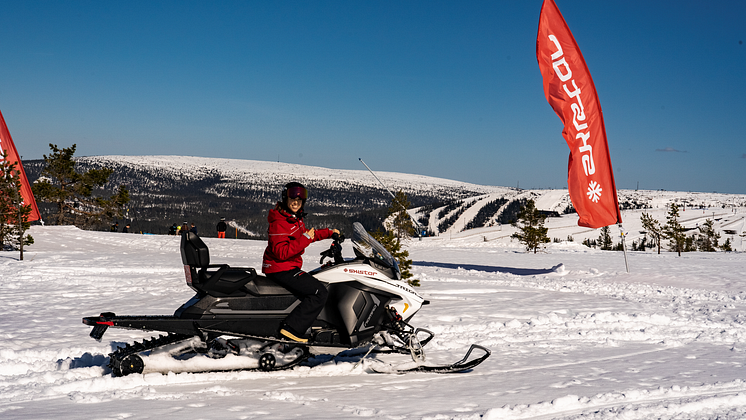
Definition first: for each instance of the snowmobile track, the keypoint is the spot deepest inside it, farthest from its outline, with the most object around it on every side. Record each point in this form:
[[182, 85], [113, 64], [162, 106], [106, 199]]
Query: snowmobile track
[[125, 360]]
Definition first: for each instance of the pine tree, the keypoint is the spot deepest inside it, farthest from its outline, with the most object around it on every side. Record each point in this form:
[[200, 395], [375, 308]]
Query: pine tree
[[401, 223], [400, 227], [690, 243], [726, 246], [605, 239], [394, 247], [653, 228], [590, 243], [73, 192], [708, 238], [532, 232], [673, 230], [13, 213]]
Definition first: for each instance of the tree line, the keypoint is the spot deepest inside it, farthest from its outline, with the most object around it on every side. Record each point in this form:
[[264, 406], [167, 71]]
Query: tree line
[[533, 234]]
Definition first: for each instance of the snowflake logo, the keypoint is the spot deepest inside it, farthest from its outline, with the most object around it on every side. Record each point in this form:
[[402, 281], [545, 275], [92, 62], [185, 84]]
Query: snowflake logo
[[594, 191]]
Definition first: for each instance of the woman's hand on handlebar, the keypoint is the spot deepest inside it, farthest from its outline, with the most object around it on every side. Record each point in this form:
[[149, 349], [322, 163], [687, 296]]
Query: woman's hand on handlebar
[[312, 232]]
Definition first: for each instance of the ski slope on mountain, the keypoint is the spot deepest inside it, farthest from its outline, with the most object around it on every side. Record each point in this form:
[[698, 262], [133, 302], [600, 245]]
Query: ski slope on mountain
[[572, 334]]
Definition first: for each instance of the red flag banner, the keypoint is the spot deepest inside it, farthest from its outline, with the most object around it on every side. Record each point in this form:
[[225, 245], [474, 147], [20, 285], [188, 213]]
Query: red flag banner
[[6, 143], [570, 91]]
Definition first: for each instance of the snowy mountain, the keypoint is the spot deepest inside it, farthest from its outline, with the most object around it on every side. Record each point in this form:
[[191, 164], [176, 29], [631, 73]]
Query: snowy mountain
[[167, 189]]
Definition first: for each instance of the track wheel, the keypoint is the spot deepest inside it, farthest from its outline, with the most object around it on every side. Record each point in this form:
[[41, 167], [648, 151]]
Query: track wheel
[[131, 363], [267, 362]]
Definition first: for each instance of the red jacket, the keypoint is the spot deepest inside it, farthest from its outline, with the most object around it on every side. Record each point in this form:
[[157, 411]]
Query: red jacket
[[287, 241]]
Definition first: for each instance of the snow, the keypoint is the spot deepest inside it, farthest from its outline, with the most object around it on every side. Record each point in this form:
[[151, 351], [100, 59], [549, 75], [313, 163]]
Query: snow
[[728, 212], [572, 334]]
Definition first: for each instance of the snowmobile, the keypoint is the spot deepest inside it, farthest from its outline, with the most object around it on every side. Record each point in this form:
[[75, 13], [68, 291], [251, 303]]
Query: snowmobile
[[233, 320]]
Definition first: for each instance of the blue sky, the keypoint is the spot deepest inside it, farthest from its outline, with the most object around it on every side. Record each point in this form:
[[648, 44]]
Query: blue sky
[[446, 89]]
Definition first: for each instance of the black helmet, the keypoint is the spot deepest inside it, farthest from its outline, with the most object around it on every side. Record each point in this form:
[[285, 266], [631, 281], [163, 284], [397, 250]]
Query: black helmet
[[294, 190]]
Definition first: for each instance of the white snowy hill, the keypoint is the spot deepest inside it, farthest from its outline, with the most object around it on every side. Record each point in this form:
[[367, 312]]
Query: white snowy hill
[[234, 177], [728, 212], [254, 171], [273, 175]]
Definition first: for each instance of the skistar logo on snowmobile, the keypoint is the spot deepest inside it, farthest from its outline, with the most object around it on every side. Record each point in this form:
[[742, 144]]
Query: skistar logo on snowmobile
[[361, 272]]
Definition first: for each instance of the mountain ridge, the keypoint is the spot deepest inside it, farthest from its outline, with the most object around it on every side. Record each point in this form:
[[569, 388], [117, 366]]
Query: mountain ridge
[[166, 189]]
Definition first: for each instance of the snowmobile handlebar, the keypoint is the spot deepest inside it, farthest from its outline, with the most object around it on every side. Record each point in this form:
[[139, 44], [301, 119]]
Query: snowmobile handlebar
[[335, 250]]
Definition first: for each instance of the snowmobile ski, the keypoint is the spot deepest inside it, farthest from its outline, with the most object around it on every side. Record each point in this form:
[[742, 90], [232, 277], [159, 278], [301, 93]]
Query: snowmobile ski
[[462, 365]]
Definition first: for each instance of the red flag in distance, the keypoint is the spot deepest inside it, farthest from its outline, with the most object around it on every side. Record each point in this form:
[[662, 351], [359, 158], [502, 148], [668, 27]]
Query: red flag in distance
[[6, 144]]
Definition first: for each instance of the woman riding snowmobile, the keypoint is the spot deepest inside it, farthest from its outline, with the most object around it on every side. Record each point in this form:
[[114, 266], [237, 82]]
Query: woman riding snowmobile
[[283, 260]]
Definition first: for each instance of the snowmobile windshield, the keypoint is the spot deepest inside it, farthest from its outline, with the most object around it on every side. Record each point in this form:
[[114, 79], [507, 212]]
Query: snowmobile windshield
[[371, 248]]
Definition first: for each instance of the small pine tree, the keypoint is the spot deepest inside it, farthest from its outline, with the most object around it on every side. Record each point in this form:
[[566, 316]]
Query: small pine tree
[[690, 244], [73, 192], [399, 228], [13, 213], [726, 246], [708, 238], [653, 228], [401, 223], [532, 232], [673, 230], [394, 247], [605, 239]]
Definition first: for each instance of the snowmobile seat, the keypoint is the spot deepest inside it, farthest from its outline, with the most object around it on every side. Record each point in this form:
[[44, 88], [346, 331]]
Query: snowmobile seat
[[221, 279], [262, 286], [215, 279]]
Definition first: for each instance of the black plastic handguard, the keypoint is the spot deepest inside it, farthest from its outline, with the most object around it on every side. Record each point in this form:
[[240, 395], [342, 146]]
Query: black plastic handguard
[[335, 250]]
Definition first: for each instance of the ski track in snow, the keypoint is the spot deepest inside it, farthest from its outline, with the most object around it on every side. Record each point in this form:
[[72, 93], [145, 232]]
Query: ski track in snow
[[572, 335]]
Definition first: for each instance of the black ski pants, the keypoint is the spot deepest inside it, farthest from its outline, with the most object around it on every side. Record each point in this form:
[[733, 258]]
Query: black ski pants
[[312, 295]]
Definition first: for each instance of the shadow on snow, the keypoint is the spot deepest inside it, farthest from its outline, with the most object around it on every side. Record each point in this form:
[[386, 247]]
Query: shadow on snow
[[488, 268]]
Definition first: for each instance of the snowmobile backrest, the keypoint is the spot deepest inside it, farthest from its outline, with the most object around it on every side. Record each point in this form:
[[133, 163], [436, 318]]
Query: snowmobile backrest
[[217, 280], [194, 252]]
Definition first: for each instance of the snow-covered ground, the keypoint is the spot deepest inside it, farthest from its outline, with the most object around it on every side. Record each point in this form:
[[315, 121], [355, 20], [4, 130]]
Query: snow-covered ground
[[581, 339]]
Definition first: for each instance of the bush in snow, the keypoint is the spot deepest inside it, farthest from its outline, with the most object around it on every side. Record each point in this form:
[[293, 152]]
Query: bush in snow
[[532, 232], [674, 231]]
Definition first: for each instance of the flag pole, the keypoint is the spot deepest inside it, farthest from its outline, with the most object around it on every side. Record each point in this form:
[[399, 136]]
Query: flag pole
[[624, 245]]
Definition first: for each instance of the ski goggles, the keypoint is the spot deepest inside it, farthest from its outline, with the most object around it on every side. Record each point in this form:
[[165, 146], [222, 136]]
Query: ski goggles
[[297, 192]]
